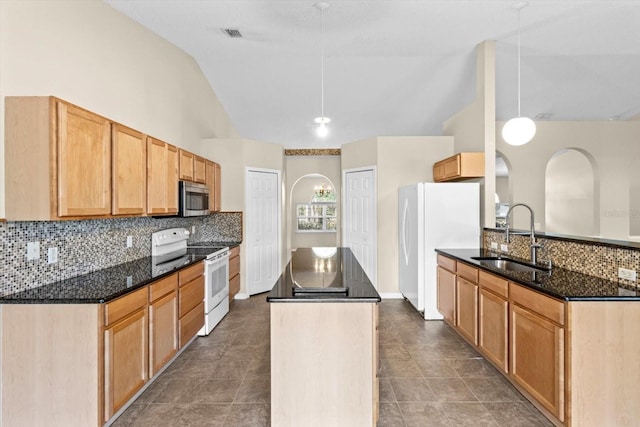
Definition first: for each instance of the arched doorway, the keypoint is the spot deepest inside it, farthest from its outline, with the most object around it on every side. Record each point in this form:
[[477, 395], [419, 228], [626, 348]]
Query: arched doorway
[[314, 212], [571, 194]]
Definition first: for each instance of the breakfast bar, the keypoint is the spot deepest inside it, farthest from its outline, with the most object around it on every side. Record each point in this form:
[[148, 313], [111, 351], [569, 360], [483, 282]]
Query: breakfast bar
[[324, 341]]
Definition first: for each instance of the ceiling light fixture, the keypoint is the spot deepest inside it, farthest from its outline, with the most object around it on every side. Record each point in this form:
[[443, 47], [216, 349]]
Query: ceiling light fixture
[[519, 130], [322, 130]]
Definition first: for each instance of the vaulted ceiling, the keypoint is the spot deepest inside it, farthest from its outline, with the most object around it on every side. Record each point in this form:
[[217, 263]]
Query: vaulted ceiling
[[400, 67]]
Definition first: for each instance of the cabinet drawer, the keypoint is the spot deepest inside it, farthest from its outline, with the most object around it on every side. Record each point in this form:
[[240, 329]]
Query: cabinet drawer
[[467, 272], [494, 283], [123, 306], [162, 287], [234, 252], [190, 295], [191, 323], [188, 274], [543, 305], [234, 266], [447, 263]]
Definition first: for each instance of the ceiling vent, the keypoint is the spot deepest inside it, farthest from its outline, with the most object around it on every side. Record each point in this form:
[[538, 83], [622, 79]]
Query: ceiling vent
[[234, 33], [543, 116]]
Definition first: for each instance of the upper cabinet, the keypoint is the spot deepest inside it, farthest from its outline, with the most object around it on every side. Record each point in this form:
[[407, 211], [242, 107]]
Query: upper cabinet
[[162, 177], [213, 182], [58, 160], [186, 165], [458, 167], [64, 162], [129, 166]]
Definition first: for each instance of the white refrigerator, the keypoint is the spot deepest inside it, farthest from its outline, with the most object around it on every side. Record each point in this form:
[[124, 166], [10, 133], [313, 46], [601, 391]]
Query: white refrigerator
[[430, 216]]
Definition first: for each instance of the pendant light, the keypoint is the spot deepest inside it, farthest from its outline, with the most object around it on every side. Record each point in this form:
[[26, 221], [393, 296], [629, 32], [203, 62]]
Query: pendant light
[[519, 130], [322, 130]]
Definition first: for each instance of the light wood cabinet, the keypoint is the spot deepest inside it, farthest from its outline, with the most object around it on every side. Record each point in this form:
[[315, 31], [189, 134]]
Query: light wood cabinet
[[458, 167], [125, 354], [234, 272], [199, 169], [129, 171], [537, 353], [493, 319], [187, 172], [190, 302], [214, 184], [57, 160], [447, 295], [467, 309], [163, 322], [162, 177]]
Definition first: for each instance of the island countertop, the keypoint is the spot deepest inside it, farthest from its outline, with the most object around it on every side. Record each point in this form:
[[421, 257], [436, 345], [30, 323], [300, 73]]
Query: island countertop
[[323, 275]]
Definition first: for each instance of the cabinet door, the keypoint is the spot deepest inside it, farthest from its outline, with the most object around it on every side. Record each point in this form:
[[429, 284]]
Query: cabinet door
[[217, 194], [537, 358], [84, 162], [199, 167], [452, 167], [492, 328], [125, 360], [163, 331], [173, 167], [129, 171], [447, 295], [186, 165], [157, 176], [210, 178], [467, 309], [191, 323]]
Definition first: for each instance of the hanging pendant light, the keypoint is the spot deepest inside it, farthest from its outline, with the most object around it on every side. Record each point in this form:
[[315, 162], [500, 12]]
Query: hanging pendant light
[[519, 130], [322, 130]]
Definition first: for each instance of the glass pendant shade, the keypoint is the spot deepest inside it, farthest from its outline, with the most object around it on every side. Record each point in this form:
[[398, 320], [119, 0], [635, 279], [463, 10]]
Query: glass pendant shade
[[518, 131], [322, 130]]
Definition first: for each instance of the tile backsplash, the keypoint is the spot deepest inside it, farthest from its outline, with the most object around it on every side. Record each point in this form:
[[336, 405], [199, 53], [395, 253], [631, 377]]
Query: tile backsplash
[[90, 245], [594, 259]]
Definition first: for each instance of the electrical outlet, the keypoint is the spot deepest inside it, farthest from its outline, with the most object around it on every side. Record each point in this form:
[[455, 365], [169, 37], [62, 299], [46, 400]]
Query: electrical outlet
[[33, 251], [129, 241], [193, 229], [504, 247], [129, 281], [625, 273], [52, 255], [494, 245]]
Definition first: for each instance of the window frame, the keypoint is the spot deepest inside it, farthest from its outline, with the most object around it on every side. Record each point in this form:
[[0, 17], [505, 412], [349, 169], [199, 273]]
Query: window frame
[[324, 217]]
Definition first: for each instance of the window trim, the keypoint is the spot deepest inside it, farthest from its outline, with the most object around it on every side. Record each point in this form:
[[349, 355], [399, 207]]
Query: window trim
[[324, 217]]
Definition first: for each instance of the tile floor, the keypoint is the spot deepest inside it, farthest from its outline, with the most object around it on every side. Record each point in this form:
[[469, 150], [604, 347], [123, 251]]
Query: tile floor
[[428, 377]]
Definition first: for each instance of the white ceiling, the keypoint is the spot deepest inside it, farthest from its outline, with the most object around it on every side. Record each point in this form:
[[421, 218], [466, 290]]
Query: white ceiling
[[400, 67]]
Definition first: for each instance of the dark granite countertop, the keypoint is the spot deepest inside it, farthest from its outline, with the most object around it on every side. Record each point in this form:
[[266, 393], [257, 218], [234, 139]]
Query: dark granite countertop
[[323, 275], [558, 283]]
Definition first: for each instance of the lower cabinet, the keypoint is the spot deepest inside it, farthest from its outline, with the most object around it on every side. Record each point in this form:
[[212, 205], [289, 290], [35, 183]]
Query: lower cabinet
[[190, 302], [125, 360], [234, 272], [447, 295], [163, 326], [493, 324], [467, 309]]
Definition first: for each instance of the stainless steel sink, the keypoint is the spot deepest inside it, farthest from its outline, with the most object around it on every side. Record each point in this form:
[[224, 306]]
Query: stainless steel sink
[[507, 264]]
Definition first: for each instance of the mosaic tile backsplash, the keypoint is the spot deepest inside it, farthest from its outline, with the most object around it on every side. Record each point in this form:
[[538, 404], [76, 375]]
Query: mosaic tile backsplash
[[91, 245], [593, 259]]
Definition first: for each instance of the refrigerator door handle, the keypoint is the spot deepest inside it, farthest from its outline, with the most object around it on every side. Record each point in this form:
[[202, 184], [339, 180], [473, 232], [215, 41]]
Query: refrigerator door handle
[[405, 232]]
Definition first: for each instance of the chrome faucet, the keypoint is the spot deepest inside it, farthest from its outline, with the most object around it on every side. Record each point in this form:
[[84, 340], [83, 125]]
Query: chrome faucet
[[534, 245]]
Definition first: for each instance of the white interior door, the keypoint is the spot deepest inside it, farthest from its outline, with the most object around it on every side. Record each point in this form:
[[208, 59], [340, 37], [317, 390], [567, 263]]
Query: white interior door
[[359, 217], [262, 219]]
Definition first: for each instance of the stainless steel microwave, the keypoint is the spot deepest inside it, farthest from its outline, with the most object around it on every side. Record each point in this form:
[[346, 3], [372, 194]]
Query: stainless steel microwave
[[193, 199]]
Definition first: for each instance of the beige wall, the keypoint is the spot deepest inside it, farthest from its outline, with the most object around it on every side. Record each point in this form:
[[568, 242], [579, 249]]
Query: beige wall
[[296, 168], [615, 146], [89, 54], [473, 128], [359, 154], [301, 193]]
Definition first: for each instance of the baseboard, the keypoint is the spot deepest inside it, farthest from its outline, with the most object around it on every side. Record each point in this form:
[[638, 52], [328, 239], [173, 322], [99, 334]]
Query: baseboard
[[241, 296], [391, 295]]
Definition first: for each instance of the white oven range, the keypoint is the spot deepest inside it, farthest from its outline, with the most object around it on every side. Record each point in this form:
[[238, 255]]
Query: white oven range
[[169, 251]]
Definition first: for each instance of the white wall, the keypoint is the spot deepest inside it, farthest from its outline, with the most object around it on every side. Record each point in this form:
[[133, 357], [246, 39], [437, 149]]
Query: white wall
[[89, 54]]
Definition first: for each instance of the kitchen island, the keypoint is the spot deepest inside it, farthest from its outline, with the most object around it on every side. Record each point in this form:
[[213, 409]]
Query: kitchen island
[[324, 341]]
